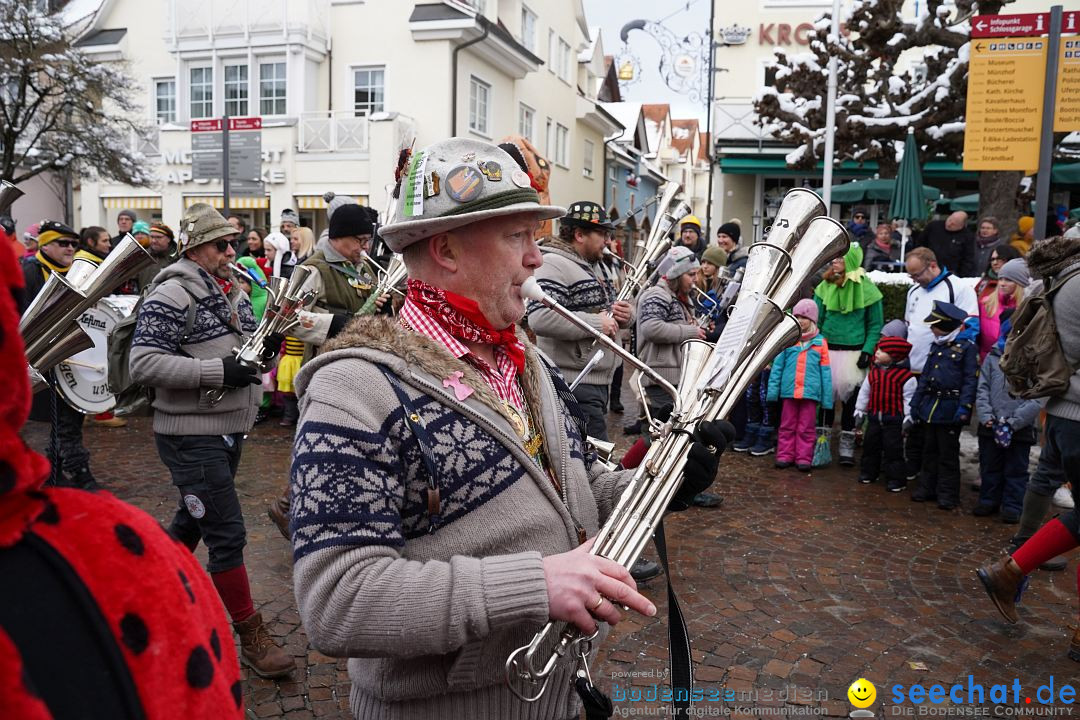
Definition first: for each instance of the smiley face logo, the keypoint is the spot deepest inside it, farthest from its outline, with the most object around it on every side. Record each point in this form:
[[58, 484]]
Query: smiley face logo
[[862, 693]]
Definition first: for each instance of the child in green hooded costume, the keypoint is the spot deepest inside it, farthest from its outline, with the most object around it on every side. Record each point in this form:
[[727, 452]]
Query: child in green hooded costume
[[849, 305], [258, 294]]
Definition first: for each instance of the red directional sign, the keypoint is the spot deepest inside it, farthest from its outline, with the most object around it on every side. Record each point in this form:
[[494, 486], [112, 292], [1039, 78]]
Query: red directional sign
[[210, 125], [1021, 24], [235, 123]]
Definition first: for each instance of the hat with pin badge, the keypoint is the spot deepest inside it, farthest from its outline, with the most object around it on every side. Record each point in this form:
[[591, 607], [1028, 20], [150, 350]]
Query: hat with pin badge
[[454, 183], [587, 215]]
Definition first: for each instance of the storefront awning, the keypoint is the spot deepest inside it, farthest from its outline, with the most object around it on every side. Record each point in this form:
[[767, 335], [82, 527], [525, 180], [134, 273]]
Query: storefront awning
[[316, 202], [236, 203], [137, 202], [1063, 173]]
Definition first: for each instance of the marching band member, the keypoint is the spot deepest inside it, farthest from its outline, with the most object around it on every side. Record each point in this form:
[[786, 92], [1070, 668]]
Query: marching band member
[[57, 244], [201, 443], [571, 275], [342, 283], [442, 489]]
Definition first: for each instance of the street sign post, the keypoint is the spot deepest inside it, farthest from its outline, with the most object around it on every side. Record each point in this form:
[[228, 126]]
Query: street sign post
[[235, 158]]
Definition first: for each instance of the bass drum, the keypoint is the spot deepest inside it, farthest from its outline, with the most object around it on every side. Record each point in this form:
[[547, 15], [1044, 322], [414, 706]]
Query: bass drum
[[82, 380]]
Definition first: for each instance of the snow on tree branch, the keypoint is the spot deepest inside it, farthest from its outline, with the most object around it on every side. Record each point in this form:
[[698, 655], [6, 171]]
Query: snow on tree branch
[[60, 109], [892, 74]]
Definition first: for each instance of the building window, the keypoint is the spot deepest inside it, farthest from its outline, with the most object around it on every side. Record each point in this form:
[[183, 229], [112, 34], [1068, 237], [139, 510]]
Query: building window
[[562, 146], [549, 138], [553, 49], [236, 90], [526, 122], [369, 90], [479, 106], [587, 161], [165, 100], [564, 60], [528, 29], [272, 88], [201, 91]]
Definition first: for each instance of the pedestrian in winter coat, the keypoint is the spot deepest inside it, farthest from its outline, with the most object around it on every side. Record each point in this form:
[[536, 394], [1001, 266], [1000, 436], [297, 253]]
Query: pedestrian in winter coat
[[943, 402], [1006, 434], [849, 305], [1012, 280], [952, 244], [727, 237], [1024, 236], [859, 227], [998, 257], [885, 403], [801, 379], [987, 238], [881, 253]]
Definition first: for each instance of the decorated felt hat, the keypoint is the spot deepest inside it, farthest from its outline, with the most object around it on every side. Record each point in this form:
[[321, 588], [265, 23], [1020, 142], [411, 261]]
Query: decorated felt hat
[[454, 183], [202, 224], [585, 213]]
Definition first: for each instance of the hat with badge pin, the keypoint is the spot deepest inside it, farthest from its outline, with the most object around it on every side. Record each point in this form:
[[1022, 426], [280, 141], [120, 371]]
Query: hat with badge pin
[[945, 316], [587, 215], [454, 183]]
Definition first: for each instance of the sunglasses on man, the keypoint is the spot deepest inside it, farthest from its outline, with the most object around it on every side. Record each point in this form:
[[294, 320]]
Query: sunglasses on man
[[224, 245], [66, 243]]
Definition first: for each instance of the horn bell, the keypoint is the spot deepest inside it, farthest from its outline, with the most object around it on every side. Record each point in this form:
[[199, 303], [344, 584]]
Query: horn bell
[[781, 336], [8, 195], [823, 240], [54, 303], [126, 260], [800, 206], [71, 343], [695, 355]]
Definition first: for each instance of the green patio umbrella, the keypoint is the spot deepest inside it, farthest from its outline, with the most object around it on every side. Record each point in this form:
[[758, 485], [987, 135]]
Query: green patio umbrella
[[873, 190], [908, 199], [967, 203]]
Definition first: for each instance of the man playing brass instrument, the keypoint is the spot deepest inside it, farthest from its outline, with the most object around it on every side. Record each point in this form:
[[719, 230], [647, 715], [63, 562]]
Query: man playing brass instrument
[[442, 489], [570, 274]]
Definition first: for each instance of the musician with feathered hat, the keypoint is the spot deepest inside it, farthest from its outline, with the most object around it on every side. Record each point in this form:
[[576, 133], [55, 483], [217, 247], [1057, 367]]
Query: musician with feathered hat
[[442, 490]]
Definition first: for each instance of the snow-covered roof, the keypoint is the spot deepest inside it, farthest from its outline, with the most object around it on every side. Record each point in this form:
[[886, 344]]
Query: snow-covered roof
[[683, 133], [586, 54], [79, 15], [627, 113]]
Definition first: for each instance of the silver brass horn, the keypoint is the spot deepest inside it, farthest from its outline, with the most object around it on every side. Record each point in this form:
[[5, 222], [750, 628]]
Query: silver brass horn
[[713, 378], [8, 195]]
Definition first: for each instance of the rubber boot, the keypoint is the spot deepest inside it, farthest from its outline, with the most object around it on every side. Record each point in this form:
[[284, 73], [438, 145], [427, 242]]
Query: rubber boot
[[259, 651]]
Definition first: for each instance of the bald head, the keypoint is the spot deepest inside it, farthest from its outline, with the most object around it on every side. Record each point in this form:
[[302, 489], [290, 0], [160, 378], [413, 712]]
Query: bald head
[[956, 221]]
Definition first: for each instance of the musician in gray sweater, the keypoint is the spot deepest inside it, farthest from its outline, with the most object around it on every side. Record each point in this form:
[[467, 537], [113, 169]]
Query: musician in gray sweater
[[571, 276], [182, 352], [442, 491]]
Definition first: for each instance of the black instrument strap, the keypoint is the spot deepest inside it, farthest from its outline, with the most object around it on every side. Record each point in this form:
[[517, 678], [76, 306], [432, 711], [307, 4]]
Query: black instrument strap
[[682, 667], [416, 424]]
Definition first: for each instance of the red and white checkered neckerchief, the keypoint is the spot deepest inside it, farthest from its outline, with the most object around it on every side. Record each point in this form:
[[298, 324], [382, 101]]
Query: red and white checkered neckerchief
[[427, 311]]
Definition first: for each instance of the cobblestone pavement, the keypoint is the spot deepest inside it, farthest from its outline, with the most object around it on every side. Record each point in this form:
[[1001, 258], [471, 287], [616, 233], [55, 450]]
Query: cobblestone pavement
[[793, 588]]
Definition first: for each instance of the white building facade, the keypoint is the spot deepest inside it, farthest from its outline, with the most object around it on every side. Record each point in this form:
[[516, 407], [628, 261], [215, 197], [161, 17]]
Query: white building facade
[[340, 86]]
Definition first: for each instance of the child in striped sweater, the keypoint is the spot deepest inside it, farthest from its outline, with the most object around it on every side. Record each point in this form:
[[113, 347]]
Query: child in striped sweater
[[885, 400]]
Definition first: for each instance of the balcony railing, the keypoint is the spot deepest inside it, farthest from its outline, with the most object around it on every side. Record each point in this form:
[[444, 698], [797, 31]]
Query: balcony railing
[[735, 119], [209, 19], [330, 132], [147, 144]]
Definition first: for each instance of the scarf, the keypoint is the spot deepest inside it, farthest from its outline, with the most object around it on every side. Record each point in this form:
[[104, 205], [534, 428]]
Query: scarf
[[461, 317], [225, 285], [855, 293], [985, 242], [48, 265], [810, 334], [884, 246], [1052, 255]]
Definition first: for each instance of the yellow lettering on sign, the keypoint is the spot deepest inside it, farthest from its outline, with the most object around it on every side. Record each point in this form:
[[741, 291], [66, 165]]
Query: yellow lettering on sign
[[1004, 103], [1067, 103]]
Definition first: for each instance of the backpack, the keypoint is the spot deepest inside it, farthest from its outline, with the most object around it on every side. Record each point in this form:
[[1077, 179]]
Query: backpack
[[1034, 364], [133, 398]]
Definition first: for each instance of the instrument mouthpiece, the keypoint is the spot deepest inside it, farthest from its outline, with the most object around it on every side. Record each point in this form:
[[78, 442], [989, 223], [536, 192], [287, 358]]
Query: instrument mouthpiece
[[531, 290]]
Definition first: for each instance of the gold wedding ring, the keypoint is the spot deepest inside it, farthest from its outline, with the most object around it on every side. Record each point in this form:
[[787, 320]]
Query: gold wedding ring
[[599, 602]]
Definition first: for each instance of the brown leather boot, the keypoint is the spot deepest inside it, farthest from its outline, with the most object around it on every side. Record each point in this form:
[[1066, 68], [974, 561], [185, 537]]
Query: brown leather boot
[[279, 514], [259, 651], [1003, 581], [1074, 646]]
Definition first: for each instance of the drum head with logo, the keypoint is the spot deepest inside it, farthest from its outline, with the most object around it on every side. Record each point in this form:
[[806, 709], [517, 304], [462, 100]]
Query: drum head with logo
[[83, 380]]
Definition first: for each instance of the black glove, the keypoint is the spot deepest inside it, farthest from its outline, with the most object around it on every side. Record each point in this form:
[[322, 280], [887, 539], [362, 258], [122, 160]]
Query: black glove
[[272, 345], [236, 374], [337, 325], [710, 439], [864, 361]]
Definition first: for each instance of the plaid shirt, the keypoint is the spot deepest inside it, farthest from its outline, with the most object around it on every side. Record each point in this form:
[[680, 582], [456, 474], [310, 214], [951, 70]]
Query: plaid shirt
[[502, 379]]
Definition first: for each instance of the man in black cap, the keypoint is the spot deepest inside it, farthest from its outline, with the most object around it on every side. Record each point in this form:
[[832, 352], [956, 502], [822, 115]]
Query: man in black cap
[[342, 283], [943, 401], [571, 275]]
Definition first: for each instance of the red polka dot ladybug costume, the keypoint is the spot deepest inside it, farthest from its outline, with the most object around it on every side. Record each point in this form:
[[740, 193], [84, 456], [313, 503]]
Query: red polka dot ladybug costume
[[104, 615]]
